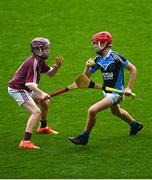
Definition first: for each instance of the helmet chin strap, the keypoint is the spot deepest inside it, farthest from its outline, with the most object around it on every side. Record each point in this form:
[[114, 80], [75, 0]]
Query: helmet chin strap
[[99, 52]]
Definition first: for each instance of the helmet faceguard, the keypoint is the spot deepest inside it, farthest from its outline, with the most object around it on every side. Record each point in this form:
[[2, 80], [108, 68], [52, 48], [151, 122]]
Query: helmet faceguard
[[38, 45]]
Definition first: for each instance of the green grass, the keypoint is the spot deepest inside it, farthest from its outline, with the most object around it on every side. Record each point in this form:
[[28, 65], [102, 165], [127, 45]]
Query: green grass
[[69, 25]]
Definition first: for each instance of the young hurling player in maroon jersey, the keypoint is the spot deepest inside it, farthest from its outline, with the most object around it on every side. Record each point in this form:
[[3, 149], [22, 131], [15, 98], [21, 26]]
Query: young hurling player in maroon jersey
[[24, 89]]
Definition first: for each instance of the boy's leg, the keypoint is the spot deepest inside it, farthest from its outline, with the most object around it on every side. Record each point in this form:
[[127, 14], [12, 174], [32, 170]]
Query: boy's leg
[[35, 114], [43, 128], [23, 98], [135, 126], [93, 110], [91, 119], [44, 113], [44, 109], [121, 113]]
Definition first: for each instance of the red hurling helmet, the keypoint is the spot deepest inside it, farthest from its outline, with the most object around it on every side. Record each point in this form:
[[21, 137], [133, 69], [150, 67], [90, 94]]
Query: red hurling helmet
[[103, 36]]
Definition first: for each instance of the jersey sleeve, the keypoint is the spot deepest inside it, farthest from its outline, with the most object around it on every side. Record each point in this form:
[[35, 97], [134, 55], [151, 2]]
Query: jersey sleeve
[[45, 68], [124, 61], [95, 67]]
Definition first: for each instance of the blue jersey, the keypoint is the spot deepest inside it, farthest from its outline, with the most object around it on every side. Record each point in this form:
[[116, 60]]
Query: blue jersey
[[112, 68]]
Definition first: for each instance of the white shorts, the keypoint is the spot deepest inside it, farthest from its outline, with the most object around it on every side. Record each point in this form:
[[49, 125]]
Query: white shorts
[[114, 97], [21, 96]]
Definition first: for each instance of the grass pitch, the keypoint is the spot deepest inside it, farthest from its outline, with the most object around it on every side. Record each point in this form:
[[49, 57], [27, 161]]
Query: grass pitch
[[69, 25]]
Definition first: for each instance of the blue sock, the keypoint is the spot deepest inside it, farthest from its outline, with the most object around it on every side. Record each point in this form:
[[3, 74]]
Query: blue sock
[[85, 134]]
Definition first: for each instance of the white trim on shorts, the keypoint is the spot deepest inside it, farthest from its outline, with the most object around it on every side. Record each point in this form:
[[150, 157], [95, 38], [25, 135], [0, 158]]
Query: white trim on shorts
[[21, 96], [115, 98]]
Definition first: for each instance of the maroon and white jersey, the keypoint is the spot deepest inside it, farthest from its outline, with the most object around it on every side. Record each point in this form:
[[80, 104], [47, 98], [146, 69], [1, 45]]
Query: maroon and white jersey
[[29, 72]]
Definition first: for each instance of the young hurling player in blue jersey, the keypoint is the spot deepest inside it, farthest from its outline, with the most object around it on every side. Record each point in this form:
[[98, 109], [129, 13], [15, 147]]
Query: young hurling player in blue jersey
[[112, 66]]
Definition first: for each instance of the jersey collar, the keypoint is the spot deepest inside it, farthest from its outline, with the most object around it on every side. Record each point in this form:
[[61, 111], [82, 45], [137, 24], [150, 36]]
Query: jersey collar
[[108, 54]]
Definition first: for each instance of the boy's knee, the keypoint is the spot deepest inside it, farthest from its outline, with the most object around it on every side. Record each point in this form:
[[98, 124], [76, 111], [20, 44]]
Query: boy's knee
[[37, 112], [91, 110], [113, 112], [116, 113], [46, 103]]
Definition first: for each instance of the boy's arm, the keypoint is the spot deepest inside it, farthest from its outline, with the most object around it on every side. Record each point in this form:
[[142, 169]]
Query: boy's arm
[[56, 66], [89, 63], [132, 78], [33, 87]]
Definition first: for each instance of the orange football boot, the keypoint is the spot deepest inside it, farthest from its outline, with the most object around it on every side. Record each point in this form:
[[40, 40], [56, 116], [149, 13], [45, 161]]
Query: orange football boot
[[46, 130], [27, 145]]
